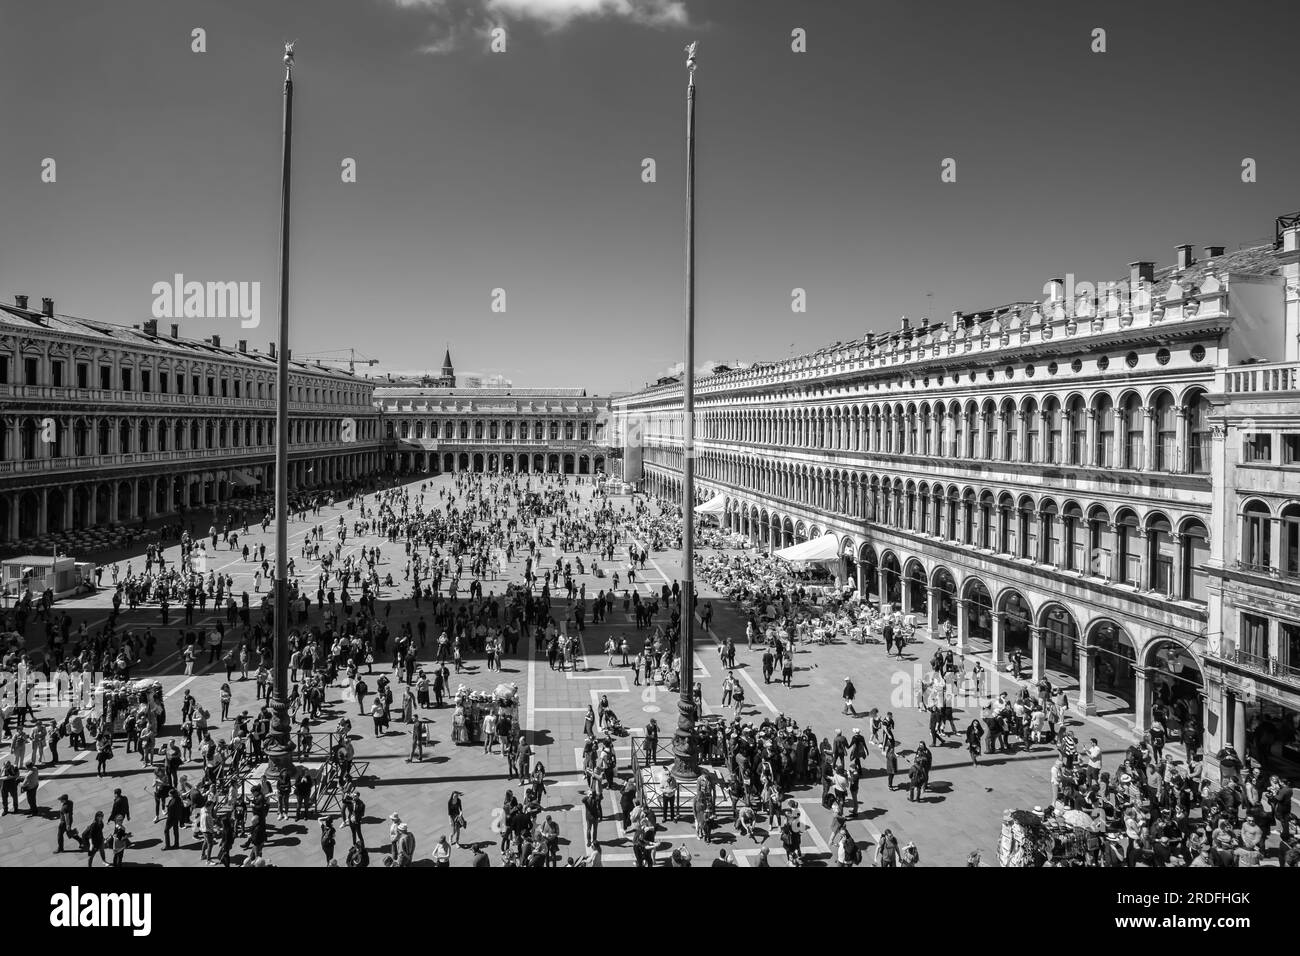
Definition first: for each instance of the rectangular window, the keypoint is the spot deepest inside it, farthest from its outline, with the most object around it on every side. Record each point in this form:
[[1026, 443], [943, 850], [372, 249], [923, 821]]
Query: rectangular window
[[126, 380], [1288, 647], [4, 370], [83, 375], [106, 377], [146, 380], [1253, 640], [31, 371], [1257, 448], [1291, 449], [194, 385], [162, 382], [56, 374]]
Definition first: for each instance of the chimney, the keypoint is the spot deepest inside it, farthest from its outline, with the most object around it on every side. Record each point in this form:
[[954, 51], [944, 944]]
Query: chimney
[[1139, 272], [1185, 258], [871, 340], [956, 321], [151, 326], [272, 351], [47, 306], [1058, 290], [243, 345], [1213, 252], [176, 331], [216, 341], [20, 301], [905, 324]]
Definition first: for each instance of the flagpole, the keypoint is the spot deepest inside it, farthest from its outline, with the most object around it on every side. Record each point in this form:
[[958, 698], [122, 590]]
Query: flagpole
[[686, 764], [279, 754]]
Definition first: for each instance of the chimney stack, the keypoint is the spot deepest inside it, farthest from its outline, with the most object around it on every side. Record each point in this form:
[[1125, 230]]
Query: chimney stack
[[151, 326], [1139, 272], [47, 306], [176, 331], [871, 340], [1213, 252], [1058, 290], [243, 345], [216, 341], [1290, 240], [272, 350], [20, 301], [1185, 259]]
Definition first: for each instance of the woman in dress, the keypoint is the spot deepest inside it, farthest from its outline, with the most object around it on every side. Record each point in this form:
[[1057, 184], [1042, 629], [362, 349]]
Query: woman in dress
[[458, 734], [456, 816], [408, 707], [589, 723]]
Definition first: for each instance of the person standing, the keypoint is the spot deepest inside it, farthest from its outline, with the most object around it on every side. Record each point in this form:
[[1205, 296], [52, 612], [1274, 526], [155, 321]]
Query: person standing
[[849, 693], [592, 815], [327, 839], [31, 783], [121, 841], [456, 816]]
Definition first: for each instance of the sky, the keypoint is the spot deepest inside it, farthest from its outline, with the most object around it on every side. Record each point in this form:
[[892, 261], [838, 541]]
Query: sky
[[522, 170]]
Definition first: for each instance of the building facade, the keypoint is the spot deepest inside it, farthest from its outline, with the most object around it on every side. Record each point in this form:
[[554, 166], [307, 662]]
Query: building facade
[[1045, 476], [103, 424], [447, 430]]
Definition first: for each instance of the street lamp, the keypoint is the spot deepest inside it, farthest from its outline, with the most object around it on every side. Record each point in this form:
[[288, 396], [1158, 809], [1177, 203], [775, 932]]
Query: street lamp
[[686, 760], [279, 754]]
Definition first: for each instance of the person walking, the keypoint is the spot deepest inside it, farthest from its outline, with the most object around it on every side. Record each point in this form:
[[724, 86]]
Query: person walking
[[93, 840], [849, 693]]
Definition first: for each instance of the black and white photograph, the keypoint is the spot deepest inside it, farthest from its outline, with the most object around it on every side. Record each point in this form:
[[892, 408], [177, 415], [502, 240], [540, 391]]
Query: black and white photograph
[[566, 434]]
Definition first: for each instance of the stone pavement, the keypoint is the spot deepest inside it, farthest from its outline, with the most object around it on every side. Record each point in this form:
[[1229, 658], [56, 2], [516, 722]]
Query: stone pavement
[[961, 813]]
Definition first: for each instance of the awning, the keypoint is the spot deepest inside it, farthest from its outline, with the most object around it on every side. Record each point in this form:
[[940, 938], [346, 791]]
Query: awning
[[823, 548], [243, 479], [717, 505]]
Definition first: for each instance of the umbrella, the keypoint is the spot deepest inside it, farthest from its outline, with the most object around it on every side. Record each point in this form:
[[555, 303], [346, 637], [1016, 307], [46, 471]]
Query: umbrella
[[1079, 818]]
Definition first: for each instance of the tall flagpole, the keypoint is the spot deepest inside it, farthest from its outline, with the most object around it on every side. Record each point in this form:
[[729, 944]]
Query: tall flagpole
[[279, 755], [686, 764]]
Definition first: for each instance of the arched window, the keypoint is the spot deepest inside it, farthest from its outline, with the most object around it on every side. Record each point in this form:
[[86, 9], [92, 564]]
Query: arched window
[[1032, 425], [1011, 431], [1133, 425], [1078, 416], [1256, 537], [1198, 435], [990, 424], [1165, 453], [1104, 451]]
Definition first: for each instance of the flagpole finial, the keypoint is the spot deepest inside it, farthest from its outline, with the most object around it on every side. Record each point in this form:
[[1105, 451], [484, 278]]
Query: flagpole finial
[[690, 57], [288, 59]]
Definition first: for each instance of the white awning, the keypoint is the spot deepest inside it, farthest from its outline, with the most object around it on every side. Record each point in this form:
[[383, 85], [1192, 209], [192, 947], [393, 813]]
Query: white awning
[[716, 505], [823, 548], [243, 479]]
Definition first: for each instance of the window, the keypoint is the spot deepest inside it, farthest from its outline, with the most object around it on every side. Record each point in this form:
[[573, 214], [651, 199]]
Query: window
[[1257, 448], [1078, 432], [1198, 436], [1053, 449], [4, 370], [31, 371], [106, 377], [1291, 449], [194, 385], [1011, 433], [126, 380], [1291, 543], [212, 386], [1288, 647], [83, 375], [1253, 639], [1166, 423], [990, 432], [1032, 423], [1104, 451], [56, 374], [1256, 540], [1133, 438]]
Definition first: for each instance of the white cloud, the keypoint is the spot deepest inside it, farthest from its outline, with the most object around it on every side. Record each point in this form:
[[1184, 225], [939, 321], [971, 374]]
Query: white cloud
[[453, 22]]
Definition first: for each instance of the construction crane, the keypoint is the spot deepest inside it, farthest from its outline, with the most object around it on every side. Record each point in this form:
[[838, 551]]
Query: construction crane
[[321, 358]]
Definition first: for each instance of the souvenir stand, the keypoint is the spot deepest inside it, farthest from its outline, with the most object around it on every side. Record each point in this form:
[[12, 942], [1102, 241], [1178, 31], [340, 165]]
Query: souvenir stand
[[144, 698]]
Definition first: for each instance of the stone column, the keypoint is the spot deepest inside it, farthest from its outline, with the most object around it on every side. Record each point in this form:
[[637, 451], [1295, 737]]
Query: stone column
[[1148, 438], [963, 627], [1088, 458], [1142, 705], [1239, 726], [998, 638], [1086, 700], [1179, 464], [932, 608], [884, 590], [1038, 651]]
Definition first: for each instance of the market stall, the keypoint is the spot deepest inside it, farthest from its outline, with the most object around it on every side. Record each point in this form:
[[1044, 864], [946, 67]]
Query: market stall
[[144, 698]]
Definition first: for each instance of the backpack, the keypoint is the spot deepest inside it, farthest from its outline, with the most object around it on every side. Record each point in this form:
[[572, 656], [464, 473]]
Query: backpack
[[852, 852]]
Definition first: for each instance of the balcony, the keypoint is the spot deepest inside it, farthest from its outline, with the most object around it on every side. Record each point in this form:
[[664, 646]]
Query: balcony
[[55, 395], [197, 455], [1262, 377], [1269, 666]]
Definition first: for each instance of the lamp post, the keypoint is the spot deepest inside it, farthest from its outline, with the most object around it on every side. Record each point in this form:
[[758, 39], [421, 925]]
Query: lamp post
[[279, 754], [686, 760]]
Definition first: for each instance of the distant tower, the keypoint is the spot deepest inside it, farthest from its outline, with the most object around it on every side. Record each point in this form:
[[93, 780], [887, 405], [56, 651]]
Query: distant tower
[[448, 377]]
